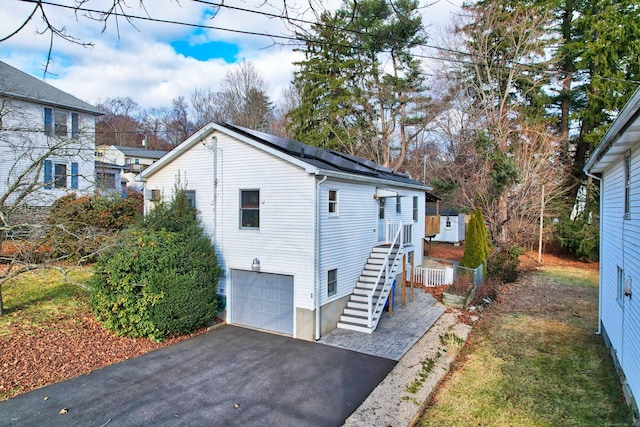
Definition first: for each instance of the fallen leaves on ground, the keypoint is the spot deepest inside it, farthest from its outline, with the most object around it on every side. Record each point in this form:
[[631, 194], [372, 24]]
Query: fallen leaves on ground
[[71, 346]]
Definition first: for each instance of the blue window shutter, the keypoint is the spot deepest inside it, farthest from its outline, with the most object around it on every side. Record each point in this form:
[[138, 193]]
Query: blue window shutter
[[74, 175], [48, 121], [74, 125], [48, 174]]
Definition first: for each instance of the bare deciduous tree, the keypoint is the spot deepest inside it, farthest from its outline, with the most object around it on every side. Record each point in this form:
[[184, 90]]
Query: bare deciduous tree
[[38, 165]]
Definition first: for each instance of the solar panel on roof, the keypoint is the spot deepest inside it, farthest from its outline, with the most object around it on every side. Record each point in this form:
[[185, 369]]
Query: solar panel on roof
[[323, 158]]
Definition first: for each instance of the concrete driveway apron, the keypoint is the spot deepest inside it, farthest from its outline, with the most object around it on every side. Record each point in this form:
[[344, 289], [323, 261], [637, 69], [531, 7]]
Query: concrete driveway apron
[[229, 376]]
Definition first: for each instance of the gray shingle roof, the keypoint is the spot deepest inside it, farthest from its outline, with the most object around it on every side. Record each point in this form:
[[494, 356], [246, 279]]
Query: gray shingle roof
[[20, 85], [140, 152]]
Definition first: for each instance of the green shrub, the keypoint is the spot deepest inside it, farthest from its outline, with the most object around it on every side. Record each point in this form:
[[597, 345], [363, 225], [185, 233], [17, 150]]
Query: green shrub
[[175, 215], [81, 226], [158, 282], [580, 237], [475, 249], [503, 263]]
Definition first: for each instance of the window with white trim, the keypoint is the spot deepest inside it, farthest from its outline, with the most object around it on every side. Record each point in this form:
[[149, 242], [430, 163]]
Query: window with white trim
[[333, 203], [398, 205], [332, 282], [249, 208], [191, 198], [627, 186], [415, 208], [447, 224], [620, 286]]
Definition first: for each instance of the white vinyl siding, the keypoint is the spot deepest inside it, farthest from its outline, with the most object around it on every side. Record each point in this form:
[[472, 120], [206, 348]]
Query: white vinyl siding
[[284, 242], [194, 169], [346, 241], [620, 250], [13, 160]]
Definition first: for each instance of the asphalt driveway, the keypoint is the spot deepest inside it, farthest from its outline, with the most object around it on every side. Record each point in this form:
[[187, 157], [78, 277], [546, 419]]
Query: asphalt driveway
[[228, 376]]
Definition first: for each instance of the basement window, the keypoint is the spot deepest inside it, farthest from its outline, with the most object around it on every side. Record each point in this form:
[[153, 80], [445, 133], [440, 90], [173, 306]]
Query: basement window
[[332, 282]]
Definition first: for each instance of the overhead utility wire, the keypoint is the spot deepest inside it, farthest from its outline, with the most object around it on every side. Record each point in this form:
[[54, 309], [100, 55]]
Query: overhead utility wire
[[281, 37]]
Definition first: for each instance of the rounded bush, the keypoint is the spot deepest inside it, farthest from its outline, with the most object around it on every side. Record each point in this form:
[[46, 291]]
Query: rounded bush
[[156, 283]]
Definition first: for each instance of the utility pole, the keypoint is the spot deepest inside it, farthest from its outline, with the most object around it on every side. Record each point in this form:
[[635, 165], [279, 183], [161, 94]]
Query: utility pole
[[541, 226]]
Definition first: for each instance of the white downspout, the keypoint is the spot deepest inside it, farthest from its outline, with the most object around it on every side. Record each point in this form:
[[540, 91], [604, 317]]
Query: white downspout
[[599, 331], [316, 263]]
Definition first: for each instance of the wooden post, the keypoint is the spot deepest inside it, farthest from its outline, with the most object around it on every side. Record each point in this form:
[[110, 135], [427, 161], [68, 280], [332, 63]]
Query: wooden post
[[404, 279], [412, 277], [541, 227]]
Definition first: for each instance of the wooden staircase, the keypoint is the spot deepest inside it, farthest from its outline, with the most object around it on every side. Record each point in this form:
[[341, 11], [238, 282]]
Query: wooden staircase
[[372, 289]]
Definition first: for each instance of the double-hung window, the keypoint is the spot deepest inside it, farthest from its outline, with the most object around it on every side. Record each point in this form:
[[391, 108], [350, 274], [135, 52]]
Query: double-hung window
[[191, 198], [56, 174], [249, 208], [333, 203], [55, 122], [627, 186], [398, 205], [415, 209]]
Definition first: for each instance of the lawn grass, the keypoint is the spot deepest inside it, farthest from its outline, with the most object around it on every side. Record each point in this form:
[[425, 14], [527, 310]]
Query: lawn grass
[[526, 368], [571, 276], [38, 298]]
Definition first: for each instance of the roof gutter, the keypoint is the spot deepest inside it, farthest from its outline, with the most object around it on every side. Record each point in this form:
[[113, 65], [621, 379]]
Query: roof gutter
[[371, 180]]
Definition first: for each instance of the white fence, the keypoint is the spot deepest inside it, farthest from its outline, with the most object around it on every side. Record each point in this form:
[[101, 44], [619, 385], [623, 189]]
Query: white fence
[[446, 276], [433, 276]]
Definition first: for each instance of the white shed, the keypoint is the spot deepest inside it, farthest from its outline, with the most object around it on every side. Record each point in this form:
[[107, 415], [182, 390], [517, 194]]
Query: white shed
[[616, 163], [452, 225], [296, 228]]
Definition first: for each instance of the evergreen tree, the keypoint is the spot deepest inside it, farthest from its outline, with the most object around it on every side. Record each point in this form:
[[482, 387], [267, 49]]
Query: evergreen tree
[[475, 249], [361, 88]]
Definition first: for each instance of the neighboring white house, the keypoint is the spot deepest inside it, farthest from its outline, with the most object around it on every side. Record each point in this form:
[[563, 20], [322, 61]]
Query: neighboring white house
[[47, 140], [109, 177], [134, 160], [616, 163], [294, 225]]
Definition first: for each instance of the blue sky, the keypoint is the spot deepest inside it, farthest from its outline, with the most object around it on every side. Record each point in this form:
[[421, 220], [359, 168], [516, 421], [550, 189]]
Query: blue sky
[[152, 62]]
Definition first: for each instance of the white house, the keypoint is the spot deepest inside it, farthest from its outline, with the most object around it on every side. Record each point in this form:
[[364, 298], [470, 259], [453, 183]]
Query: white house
[[109, 177], [133, 159], [47, 140], [301, 232], [616, 163]]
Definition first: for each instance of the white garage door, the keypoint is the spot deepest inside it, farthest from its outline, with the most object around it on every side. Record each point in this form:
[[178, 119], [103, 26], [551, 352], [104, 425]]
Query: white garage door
[[262, 300]]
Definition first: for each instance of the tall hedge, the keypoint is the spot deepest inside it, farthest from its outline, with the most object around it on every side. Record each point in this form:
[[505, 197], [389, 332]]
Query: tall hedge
[[475, 250], [158, 282]]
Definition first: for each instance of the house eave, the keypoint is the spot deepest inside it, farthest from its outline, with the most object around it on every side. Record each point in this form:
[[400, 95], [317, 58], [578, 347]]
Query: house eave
[[622, 135]]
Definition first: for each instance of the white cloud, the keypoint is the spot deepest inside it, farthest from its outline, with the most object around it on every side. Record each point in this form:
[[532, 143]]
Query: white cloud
[[137, 60]]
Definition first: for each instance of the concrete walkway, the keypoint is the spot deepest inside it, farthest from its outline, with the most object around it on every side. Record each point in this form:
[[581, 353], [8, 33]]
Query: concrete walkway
[[420, 331], [396, 334]]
